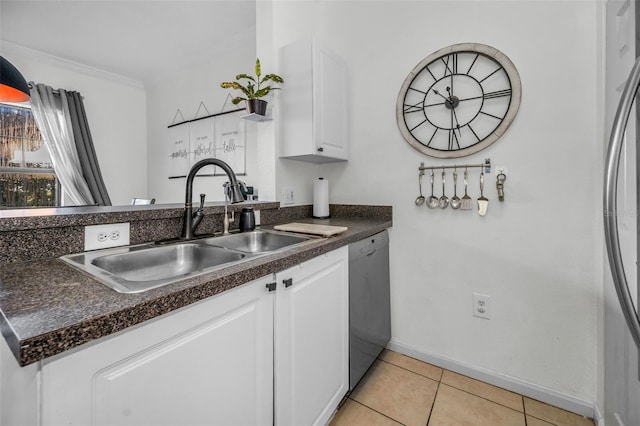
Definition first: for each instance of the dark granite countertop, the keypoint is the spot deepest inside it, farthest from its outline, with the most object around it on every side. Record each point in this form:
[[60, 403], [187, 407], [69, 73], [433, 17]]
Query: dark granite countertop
[[38, 218], [48, 307]]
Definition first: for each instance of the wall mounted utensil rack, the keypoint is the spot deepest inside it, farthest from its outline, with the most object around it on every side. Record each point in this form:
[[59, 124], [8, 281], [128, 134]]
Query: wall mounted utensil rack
[[464, 203], [486, 165]]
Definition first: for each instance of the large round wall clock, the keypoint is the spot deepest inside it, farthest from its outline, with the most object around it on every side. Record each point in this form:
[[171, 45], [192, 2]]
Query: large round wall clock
[[458, 100]]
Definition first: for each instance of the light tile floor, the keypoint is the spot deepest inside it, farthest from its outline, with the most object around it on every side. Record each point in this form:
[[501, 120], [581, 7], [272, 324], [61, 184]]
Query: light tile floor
[[399, 390]]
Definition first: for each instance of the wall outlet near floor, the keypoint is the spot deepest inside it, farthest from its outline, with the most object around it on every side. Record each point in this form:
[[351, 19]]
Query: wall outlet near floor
[[288, 195], [481, 306], [105, 236]]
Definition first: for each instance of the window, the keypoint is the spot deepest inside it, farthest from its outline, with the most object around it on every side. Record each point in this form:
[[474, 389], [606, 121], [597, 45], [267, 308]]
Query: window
[[27, 178]]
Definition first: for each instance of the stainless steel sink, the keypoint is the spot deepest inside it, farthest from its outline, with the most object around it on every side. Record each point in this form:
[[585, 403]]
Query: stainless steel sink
[[257, 241], [135, 269], [139, 268]]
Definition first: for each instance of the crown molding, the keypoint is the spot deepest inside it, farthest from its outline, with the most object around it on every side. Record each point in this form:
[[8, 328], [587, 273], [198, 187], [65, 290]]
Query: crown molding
[[46, 58]]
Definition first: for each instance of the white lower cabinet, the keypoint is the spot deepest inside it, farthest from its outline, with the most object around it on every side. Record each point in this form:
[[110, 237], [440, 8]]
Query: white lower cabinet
[[207, 364], [312, 339], [249, 356]]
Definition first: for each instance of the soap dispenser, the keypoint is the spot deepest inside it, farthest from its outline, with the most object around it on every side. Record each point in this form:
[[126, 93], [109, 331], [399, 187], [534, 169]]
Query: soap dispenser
[[247, 220]]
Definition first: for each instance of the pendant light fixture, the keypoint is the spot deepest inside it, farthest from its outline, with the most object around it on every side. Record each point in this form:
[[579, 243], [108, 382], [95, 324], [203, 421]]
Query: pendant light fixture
[[13, 86]]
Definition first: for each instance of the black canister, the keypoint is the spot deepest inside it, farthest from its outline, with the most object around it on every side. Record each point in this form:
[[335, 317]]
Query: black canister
[[247, 220]]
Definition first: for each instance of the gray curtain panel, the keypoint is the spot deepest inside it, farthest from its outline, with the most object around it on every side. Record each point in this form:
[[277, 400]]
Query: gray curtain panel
[[86, 150], [51, 112]]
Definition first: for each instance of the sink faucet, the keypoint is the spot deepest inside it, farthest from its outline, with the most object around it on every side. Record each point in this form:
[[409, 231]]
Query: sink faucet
[[226, 219], [189, 225], [227, 196]]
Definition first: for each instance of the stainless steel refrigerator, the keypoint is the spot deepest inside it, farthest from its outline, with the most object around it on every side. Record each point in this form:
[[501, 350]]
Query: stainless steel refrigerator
[[621, 331]]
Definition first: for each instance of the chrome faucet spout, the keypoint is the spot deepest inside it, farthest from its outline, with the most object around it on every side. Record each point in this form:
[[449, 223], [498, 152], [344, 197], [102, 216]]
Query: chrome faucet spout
[[188, 224]]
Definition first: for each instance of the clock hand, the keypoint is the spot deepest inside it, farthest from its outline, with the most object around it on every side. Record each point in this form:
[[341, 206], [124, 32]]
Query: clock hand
[[453, 111], [443, 97], [454, 117], [436, 104], [452, 136], [450, 90]]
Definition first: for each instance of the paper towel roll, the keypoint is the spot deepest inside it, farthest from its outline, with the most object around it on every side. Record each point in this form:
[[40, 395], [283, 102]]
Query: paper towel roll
[[321, 198]]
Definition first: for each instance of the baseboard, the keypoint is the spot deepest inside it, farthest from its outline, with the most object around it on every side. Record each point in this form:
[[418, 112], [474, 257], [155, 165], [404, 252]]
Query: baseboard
[[531, 390], [598, 418]]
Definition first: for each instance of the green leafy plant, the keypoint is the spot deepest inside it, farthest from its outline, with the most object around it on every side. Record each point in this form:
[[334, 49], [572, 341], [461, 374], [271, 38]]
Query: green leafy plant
[[252, 89]]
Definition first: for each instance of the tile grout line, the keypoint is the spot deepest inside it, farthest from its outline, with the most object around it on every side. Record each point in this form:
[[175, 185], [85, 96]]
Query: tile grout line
[[411, 371], [439, 381], [433, 404], [489, 400], [376, 411]]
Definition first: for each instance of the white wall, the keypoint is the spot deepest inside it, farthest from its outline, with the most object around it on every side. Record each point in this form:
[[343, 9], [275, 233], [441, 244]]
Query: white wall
[[185, 92], [538, 254], [122, 113], [116, 110]]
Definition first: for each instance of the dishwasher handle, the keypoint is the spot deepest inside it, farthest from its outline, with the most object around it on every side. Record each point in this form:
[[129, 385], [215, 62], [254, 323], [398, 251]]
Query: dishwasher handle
[[366, 252], [369, 246]]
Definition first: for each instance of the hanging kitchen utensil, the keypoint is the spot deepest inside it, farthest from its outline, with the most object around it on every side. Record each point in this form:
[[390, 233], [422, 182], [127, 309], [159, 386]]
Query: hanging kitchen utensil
[[483, 202], [466, 202], [455, 200], [500, 185], [420, 199], [443, 202], [432, 201]]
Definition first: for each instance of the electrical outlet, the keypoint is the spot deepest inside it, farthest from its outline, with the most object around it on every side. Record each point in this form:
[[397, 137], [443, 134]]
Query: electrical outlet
[[481, 306], [105, 236], [288, 195]]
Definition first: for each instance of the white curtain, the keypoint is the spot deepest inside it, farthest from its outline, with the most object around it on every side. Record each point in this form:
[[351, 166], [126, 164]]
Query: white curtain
[[49, 112]]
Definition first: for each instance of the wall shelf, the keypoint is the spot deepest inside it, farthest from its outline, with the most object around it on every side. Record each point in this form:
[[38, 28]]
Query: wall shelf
[[256, 117]]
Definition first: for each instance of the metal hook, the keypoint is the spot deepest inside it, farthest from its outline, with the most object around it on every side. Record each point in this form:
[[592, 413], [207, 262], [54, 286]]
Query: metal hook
[[500, 185]]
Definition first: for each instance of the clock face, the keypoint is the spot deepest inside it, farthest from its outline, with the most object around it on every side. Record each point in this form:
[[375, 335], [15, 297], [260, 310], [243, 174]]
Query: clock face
[[458, 100]]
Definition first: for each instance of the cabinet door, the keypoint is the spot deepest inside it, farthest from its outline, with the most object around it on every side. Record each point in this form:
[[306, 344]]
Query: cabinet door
[[209, 363], [312, 338], [313, 107], [330, 104]]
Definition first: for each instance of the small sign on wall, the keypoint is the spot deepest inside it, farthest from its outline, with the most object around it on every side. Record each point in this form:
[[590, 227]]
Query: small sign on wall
[[201, 143], [219, 136], [231, 143], [179, 163]]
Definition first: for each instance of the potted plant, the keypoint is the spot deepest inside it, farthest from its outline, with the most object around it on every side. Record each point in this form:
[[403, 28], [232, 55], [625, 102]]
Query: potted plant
[[252, 89]]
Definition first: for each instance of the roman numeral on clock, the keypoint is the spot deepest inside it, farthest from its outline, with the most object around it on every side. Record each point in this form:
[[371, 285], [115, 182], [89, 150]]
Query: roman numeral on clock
[[497, 94], [451, 64], [412, 108]]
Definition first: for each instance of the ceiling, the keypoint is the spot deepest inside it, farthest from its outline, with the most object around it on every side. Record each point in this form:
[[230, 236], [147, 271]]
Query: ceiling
[[137, 39]]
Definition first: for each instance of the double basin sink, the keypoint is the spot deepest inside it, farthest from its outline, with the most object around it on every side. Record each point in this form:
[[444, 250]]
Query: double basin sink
[[139, 268]]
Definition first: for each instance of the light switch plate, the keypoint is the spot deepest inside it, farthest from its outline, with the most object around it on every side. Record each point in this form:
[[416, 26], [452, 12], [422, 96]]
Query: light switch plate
[[288, 195], [105, 236]]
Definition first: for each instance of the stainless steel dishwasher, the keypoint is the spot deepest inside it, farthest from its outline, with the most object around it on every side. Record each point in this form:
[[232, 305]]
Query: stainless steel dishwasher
[[369, 303]]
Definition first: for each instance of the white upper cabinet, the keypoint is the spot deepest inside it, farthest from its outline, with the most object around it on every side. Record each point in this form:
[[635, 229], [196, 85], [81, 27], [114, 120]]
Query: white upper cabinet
[[313, 104]]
